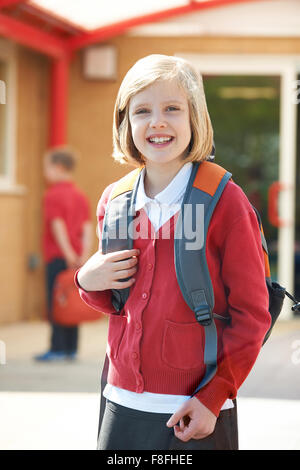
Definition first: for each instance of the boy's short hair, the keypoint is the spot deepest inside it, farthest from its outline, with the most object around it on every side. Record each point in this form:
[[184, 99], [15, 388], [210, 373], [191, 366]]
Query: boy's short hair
[[64, 156], [145, 72]]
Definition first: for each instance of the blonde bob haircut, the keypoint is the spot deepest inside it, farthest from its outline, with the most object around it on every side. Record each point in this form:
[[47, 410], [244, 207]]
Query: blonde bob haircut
[[145, 72]]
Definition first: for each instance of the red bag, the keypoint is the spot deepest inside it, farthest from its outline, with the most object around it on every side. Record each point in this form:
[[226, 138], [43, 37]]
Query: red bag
[[68, 308]]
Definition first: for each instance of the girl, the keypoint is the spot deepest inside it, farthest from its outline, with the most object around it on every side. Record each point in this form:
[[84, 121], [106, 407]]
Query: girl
[[155, 346]]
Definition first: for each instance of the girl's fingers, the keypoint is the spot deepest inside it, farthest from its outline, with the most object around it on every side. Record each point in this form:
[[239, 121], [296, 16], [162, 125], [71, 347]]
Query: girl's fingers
[[121, 255], [181, 425], [184, 434], [124, 274], [177, 416], [126, 264]]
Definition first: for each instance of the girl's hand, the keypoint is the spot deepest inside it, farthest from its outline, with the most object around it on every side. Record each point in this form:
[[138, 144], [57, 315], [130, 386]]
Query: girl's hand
[[195, 421], [102, 272]]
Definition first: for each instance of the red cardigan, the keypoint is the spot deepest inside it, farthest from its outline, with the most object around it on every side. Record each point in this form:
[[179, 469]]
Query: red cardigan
[[156, 345]]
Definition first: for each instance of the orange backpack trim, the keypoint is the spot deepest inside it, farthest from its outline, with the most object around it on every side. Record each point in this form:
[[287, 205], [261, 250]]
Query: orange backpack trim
[[126, 183], [208, 177]]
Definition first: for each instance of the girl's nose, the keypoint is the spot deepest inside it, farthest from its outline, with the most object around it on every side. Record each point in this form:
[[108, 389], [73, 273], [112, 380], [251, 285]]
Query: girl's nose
[[157, 120]]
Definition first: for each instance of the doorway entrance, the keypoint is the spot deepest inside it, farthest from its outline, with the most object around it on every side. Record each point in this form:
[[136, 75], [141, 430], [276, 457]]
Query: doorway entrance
[[264, 153], [245, 114]]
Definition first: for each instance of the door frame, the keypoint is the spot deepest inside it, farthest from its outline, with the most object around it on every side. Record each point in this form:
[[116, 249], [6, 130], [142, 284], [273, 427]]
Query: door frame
[[287, 67]]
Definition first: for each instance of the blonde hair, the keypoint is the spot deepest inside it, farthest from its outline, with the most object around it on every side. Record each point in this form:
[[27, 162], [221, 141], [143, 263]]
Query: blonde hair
[[144, 73]]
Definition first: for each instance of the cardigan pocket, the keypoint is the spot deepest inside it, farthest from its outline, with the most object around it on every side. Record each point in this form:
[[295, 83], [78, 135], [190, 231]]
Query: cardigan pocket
[[116, 328], [182, 346]]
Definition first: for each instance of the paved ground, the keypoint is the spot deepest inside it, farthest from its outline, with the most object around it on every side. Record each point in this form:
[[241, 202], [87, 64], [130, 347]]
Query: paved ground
[[55, 406]]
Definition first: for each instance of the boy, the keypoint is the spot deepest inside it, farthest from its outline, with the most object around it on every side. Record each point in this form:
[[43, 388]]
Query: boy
[[67, 240]]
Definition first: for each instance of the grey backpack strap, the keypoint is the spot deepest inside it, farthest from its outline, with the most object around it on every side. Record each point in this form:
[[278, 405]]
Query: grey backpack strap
[[117, 232], [190, 258]]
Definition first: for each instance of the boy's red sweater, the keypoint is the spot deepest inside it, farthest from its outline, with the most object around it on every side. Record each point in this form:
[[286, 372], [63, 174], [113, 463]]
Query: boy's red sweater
[[156, 345], [65, 201]]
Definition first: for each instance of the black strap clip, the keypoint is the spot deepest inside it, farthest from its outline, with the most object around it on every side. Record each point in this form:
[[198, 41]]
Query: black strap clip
[[296, 306], [203, 315]]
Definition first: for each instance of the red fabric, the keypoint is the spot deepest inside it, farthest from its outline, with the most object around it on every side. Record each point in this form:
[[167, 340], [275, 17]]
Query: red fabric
[[156, 345], [65, 201]]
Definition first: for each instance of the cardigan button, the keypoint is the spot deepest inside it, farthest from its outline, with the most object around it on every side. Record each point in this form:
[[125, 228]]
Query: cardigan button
[[144, 295], [138, 325], [134, 355], [139, 383], [150, 266]]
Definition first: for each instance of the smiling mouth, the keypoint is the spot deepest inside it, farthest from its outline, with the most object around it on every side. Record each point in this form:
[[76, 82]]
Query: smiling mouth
[[160, 140]]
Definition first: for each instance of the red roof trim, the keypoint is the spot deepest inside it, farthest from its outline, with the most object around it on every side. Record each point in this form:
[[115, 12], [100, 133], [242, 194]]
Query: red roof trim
[[31, 37], [9, 3]]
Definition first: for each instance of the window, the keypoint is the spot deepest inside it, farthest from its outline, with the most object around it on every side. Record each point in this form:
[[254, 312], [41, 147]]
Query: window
[[7, 114]]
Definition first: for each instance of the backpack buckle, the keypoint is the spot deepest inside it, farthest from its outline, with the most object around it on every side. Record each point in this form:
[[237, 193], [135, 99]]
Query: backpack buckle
[[296, 307], [203, 315]]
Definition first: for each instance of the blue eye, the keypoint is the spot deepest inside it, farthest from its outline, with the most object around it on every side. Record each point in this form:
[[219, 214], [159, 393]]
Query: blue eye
[[172, 108], [142, 111]]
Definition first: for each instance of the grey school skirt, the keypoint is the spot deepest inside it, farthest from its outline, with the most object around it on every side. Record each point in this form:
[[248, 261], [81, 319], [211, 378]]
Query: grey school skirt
[[127, 429]]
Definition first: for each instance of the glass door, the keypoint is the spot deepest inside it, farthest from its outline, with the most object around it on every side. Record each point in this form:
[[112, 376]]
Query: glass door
[[245, 114]]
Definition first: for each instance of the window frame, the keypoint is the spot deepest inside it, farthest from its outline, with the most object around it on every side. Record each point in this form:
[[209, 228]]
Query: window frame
[[8, 55]]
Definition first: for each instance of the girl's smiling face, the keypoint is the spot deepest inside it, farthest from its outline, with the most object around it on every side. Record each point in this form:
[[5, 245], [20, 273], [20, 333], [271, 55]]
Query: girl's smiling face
[[160, 122]]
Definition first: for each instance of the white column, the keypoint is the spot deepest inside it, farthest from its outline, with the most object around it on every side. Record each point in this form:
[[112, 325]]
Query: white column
[[287, 176]]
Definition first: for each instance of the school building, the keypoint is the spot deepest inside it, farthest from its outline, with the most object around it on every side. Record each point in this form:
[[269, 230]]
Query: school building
[[60, 70]]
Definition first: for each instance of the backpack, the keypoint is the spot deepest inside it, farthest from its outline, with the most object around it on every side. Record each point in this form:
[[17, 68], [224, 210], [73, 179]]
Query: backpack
[[205, 186], [68, 309]]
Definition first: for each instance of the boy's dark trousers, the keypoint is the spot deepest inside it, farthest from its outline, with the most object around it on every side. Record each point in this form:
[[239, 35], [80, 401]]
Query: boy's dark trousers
[[63, 338]]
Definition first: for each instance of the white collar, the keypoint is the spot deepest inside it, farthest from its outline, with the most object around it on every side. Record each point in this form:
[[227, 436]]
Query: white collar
[[171, 194]]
